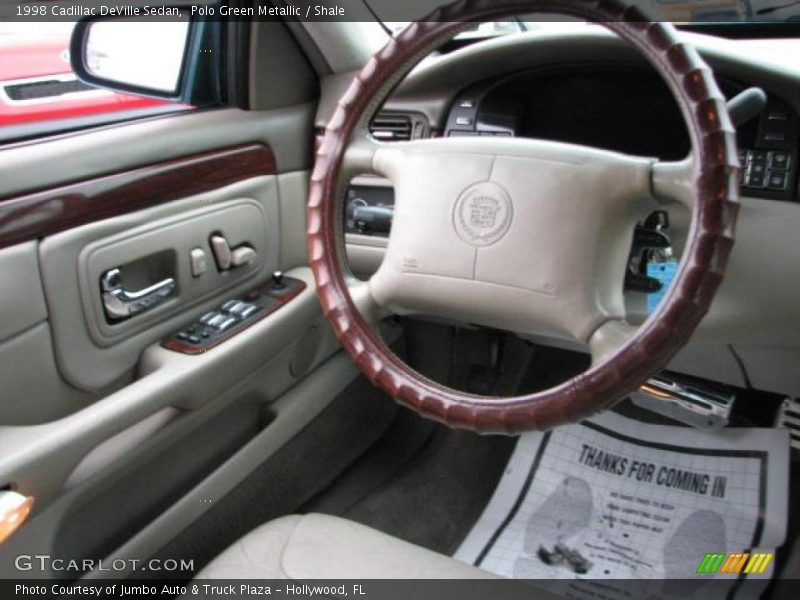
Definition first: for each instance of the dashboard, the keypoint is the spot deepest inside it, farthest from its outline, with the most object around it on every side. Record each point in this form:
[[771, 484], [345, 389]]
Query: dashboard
[[628, 110], [615, 107], [593, 90]]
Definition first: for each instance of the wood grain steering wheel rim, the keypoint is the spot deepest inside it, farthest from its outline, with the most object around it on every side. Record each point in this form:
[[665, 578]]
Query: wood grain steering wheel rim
[[708, 183]]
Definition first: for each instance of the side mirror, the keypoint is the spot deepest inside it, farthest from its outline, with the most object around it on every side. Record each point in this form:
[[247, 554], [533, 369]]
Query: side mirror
[[136, 56]]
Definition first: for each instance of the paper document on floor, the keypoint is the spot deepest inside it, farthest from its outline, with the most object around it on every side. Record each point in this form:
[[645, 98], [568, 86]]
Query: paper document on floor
[[613, 498]]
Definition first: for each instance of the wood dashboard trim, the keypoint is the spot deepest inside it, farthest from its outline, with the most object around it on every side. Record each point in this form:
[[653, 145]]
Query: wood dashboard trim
[[43, 213]]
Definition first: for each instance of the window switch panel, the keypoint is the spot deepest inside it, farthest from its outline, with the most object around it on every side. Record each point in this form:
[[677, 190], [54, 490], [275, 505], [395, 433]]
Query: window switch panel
[[234, 316]]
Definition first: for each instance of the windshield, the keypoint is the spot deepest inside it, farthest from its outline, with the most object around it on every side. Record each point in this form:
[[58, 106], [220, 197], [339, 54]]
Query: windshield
[[680, 12], [508, 26]]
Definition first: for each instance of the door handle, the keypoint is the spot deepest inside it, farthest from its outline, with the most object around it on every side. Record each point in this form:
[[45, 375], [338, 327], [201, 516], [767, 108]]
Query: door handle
[[120, 303]]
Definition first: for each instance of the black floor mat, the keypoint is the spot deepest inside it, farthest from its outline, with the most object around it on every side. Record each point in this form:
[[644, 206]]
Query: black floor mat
[[423, 482]]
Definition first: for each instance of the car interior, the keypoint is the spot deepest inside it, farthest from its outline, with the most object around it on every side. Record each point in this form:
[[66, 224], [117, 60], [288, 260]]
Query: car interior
[[297, 327]]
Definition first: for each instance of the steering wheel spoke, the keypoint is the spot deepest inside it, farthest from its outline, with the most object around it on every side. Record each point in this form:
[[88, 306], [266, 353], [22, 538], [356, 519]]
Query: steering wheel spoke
[[672, 181], [359, 157], [366, 304], [609, 338]]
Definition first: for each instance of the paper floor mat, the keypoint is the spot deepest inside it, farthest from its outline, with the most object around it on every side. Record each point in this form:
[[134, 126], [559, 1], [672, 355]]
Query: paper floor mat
[[613, 498]]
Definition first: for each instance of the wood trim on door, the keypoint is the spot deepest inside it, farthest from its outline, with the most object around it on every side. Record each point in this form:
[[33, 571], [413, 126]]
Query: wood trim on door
[[43, 213]]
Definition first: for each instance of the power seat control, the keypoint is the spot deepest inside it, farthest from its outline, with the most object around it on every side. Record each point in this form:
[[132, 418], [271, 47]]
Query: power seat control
[[227, 258]]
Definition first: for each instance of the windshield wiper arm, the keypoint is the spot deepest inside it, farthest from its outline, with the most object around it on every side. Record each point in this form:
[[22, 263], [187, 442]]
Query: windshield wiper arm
[[772, 9], [377, 17]]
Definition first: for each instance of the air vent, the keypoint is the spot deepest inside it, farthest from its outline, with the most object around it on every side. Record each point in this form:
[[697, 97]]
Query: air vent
[[392, 128], [51, 88]]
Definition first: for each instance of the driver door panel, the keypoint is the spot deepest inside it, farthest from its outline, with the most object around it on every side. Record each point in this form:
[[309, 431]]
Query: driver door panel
[[106, 428]]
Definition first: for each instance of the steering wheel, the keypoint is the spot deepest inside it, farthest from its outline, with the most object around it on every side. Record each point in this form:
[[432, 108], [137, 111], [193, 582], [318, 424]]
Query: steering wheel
[[524, 235]]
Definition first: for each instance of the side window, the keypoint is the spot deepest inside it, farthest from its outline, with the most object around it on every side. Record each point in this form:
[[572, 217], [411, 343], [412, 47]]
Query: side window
[[40, 93]]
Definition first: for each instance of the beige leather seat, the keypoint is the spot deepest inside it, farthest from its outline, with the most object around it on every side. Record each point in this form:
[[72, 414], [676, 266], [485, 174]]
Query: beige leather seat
[[324, 547]]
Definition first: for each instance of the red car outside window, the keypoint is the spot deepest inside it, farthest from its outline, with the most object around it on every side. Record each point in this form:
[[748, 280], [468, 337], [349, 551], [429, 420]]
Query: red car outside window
[[37, 83]]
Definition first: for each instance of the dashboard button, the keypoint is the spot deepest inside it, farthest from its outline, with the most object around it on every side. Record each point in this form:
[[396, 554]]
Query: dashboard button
[[775, 136], [755, 180], [779, 160], [777, 115], [777, 180]]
